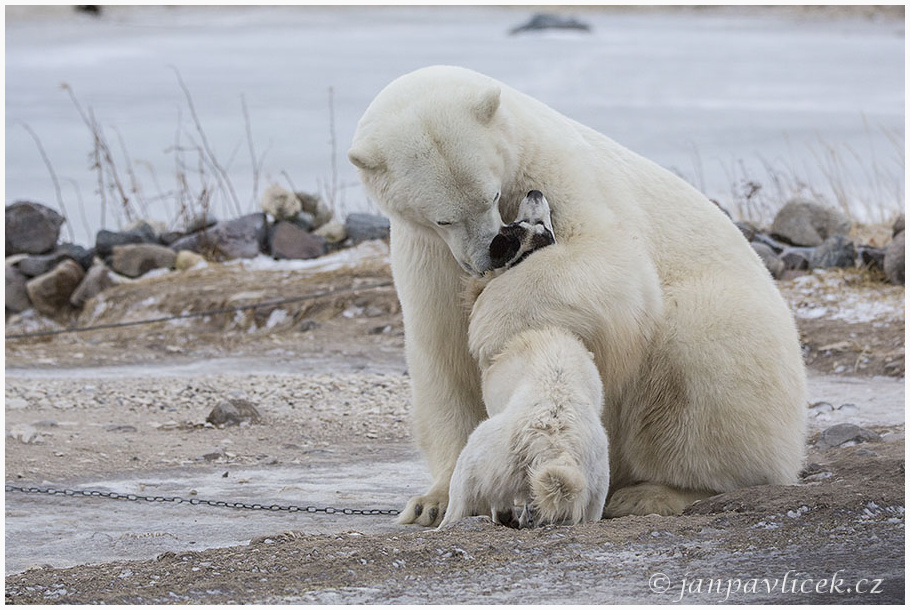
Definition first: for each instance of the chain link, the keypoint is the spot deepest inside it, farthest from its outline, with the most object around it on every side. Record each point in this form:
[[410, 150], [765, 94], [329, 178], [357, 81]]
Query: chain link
[[113, 495]]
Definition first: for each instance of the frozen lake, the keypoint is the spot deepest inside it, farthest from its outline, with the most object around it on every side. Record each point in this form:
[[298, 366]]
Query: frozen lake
[[720, 97]]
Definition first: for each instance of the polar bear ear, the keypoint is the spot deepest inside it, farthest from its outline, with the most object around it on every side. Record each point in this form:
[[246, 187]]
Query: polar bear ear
[[366, 159], [488, 104]]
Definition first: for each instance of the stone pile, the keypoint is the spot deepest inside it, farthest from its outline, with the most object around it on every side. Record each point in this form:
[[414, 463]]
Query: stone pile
[[57, 279], [806, 235]]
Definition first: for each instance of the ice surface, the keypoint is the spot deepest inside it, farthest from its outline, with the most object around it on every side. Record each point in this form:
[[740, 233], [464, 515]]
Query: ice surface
[[698, 93]]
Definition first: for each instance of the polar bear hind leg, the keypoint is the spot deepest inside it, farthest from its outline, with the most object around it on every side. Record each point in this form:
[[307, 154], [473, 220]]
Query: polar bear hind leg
[[651, 499]]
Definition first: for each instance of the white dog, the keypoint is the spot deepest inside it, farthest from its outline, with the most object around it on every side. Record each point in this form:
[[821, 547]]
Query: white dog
[[544, 450]]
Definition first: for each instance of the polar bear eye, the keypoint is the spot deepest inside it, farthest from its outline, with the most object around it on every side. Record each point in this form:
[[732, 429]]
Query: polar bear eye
[[442, 223], [496, 198]]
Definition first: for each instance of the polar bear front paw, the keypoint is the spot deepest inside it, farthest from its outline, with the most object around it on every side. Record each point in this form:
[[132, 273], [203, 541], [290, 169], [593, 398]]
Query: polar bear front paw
[[425, 510]]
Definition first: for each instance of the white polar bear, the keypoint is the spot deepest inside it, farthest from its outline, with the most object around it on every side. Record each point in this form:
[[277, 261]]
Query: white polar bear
[[544, 445], [703, 380]]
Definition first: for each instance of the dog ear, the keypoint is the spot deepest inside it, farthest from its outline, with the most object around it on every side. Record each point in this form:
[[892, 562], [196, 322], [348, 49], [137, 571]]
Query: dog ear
[[487, 105], [367, 159]]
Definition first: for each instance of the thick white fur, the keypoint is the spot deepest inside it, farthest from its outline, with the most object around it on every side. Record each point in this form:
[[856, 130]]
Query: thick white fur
[[544, 444], [704, 385]]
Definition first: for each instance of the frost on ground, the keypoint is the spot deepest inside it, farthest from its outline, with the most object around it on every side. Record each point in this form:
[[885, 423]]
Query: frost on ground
[[825, 294]]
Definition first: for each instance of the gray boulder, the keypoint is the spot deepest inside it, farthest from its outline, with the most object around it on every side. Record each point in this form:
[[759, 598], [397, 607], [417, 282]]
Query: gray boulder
[[31, 228], [894, 260], [898, 226], [243, 237], [363, 227], [795, 258], [838, 435], [38, 264], [773, 264], [17, 299], [771, 243], [201, 221], [134, 260], [549, 21], [747, 229], [805, 223], [50, 293], [870, 257], [835, 251], [97, 280], [83, 256], [232, 412], [289, 241], [106, 240]]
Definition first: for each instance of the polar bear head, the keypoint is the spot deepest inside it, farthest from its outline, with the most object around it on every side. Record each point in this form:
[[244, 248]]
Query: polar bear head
[[434, 150]]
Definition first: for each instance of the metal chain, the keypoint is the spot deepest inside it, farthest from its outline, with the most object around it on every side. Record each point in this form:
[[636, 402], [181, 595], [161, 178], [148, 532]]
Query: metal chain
[[113, 495]]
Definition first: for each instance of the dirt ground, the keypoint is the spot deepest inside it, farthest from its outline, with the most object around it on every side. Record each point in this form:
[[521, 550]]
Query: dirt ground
[[329, 378]]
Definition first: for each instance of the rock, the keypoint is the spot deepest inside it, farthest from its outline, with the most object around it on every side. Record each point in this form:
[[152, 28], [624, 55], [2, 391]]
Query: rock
[[546, 21], [31, 228], [146, 227], [771, 243], [288, 240], [746, 229], [17, 299], [280, 203], [84, 256], [243, 237], [805, 223], [232, 412], [835, 251], [97, 280], [200, 221], [362, 227], [894, 260], [871, 258], [838, 435], [187, 260], [898, 226], [134, 260], [773, 264], [50, 293], [334, 232], [106, 240], [317, 208], [38, 264], [796, 258], [169, 237]]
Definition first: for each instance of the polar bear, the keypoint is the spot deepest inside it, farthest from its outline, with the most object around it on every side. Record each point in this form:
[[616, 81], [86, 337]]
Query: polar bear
[[543, 446], [703, 379]]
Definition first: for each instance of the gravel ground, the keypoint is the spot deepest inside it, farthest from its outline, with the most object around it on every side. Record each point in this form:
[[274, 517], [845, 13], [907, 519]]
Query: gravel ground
[[126, 409]]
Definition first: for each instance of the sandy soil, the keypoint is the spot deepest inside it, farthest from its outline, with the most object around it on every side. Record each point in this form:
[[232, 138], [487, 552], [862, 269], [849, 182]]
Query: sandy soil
[[329, 379]]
